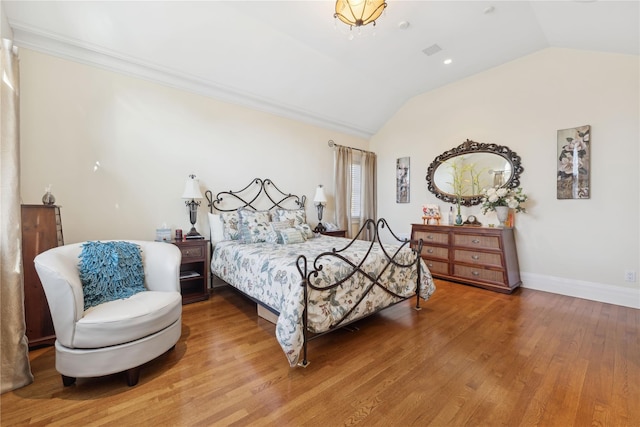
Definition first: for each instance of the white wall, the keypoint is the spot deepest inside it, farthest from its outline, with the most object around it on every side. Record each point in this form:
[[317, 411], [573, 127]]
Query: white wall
[[148, 138], [575, 247], [5, 29]]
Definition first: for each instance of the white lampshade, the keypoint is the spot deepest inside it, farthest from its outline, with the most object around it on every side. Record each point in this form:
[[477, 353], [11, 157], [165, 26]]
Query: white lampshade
[[192, 189], [320, 196]]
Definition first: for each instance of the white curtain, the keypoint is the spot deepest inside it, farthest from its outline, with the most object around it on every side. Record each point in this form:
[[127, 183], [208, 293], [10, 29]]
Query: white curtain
[[368, 191], [343, 161], [15, 371]]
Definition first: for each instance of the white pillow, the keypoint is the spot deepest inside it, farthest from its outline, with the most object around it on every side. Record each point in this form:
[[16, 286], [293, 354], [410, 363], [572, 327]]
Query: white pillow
[[217, 228]]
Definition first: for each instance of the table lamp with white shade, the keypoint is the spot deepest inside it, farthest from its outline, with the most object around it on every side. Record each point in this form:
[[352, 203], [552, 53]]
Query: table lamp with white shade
[[192, 195], [320, 200]]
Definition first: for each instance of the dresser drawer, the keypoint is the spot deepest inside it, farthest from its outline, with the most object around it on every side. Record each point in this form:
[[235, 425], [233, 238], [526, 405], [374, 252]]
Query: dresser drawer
[[476, 241], [491, 259], [435, 252], [195, 252], [437, 267], [479, 273], [431, 237]]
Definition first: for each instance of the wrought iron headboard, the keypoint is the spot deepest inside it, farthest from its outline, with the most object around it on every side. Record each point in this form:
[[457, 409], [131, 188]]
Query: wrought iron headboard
[[249, 195]]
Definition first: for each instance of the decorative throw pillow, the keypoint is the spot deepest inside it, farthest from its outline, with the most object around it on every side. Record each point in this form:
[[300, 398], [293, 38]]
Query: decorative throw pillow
[[291, 235], [230, 228], [298, 216], [110, 271], [274, 235], [305, 230], [254, 225]]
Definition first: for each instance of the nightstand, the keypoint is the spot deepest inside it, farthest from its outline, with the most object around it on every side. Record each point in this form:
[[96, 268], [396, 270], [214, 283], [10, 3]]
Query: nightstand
[[335, 233], [194, 270]]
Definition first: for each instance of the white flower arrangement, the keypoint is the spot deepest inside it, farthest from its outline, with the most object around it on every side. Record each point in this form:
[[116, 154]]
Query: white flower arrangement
[[500, 196]]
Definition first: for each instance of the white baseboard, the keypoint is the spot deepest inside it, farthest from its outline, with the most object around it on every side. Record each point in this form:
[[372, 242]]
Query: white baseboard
[[601, 292]]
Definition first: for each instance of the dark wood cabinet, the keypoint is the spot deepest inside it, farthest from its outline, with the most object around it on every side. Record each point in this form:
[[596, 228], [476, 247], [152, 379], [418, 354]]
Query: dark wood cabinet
[[478, 256], [194, 270], [41, 230]]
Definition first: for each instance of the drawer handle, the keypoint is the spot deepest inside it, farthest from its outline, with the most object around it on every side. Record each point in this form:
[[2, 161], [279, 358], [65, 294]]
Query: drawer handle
[[475, 273], [186, 252], [476, 257], [476, 241], [430, 265], [429, 251], [430, 237]]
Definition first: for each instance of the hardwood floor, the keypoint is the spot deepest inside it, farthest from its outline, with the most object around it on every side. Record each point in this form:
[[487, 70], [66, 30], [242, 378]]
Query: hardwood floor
[[471, 357]]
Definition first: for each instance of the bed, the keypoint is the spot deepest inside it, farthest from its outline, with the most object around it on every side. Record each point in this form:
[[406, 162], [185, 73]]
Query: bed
[[312, 285]]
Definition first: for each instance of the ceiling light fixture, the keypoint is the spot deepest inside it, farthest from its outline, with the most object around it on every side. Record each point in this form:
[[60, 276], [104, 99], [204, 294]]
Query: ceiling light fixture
[[357, 13], [448, 61]]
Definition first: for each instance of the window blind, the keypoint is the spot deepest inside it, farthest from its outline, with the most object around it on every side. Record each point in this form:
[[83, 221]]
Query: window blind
[[356, 189]]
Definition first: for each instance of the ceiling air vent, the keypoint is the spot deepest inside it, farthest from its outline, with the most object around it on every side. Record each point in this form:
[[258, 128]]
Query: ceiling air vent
[[432, 50]]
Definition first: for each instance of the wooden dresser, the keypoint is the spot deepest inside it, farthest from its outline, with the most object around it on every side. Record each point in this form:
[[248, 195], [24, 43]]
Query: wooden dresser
[[478, 256], [41, 230]]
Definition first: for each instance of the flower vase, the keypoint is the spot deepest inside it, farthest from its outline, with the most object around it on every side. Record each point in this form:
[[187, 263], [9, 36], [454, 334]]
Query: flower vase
[[503, 213], [458, 217]]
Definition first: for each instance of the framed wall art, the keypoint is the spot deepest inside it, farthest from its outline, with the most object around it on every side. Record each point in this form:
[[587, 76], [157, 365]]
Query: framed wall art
[[403, 171], [574, 158]]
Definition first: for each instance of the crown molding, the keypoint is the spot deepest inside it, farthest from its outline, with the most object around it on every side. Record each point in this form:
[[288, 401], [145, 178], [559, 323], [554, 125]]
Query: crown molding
[[96, 56]]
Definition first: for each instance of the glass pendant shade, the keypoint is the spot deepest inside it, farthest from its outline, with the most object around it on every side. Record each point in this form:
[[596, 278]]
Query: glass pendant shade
[[357, 13]]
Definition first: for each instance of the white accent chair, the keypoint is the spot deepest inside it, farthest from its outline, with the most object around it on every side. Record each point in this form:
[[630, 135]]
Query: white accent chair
[[115, 336]]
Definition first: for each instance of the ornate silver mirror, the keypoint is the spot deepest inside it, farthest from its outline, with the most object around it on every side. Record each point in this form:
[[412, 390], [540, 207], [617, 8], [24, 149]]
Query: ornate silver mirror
[[466, 170]]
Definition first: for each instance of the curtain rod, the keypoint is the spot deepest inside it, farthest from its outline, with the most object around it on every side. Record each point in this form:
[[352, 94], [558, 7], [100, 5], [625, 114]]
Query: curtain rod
[[333, 144]]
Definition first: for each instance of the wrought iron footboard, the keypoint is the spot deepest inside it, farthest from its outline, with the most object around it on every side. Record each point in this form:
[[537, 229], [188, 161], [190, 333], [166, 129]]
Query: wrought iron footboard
[[372, 281]]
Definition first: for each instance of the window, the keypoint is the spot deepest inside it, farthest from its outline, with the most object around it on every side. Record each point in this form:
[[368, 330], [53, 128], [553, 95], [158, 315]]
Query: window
[[356, 189]]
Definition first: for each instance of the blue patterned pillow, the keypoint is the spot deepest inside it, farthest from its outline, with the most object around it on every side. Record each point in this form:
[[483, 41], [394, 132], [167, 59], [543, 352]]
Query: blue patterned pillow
[[110, 271], [297, 215], [254, 225], [230, 227]]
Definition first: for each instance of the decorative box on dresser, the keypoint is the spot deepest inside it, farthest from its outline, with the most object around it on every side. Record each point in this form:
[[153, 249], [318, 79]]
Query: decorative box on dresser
[[194, 270], [41, 230], [478, 256]]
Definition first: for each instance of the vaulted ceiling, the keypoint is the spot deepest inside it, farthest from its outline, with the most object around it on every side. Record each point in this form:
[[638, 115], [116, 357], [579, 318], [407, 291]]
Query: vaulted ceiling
[[292, 58]]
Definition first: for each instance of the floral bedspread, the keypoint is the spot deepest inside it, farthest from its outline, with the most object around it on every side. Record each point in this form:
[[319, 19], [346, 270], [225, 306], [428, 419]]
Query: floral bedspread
[[268, 273]]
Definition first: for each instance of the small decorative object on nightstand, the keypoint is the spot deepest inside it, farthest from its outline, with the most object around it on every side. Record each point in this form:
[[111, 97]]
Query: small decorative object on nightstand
[[320, 201], [192, 191], [194, 270]]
